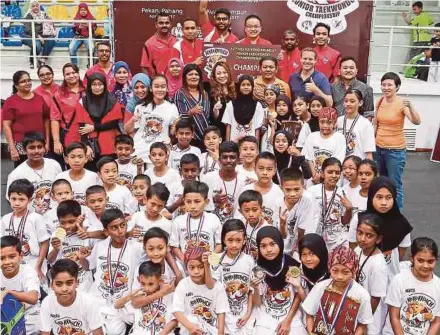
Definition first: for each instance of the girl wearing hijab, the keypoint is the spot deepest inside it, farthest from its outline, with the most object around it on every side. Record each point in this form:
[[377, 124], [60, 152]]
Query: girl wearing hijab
[[174, 76], [99, 115], [273, 295], [43, 30], [271, 92], [81, 32], [339, 305], [382, 200], [123, 90], [141, 87], [243, 115], [283, 108], [316, 104], [288, 157]]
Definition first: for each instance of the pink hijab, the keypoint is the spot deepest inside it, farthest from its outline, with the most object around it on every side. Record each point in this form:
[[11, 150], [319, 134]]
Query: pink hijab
[[174, 83]]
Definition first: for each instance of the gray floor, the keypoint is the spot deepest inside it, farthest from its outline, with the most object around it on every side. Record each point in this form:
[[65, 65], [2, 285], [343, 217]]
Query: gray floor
[[422, 195]]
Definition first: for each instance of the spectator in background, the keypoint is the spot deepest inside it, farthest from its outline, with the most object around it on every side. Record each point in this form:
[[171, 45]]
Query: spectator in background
[[43, 32], [221, 32], [349, 81], [327, 58], [22, 112], [434, 69], [141, 86], [81, 31], [158, 49], [252, 30], [104, 65], [189, 48], [420, 37], [48, 86], [308, 81], [123, 90], [290, 60]]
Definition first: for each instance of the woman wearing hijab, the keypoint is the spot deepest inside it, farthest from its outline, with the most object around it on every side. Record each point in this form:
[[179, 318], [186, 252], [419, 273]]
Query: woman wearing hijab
[[81, 32], [43, 30], [243, 116], [99, 116], [174, 76], [141, 86], [273, 295], [382, 200], [123, 90]]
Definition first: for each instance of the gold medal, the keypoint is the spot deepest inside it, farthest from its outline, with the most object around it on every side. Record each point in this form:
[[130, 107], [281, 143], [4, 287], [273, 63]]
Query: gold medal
[[294, 272], [214, 259], [60, 233]]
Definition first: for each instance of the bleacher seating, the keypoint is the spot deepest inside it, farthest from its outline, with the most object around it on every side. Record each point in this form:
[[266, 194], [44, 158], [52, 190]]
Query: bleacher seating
[[15, 33], [100, 12], [58, 12], [12, 11], [64, 32]]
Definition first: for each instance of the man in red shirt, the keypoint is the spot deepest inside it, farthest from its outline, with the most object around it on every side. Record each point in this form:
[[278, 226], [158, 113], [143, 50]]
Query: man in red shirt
[[252, 29], [158, 49], [221, 32], [104, 65], [290, 60], [328, 58], [189, 48]]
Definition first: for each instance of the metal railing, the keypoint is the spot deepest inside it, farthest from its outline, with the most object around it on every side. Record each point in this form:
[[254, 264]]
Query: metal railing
[[62, 23]]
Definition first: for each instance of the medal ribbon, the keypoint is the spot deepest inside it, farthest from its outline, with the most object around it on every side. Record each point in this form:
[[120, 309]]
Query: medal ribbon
[[112, 278], [199, 227], [326, 210], [226, 264], [364, 262], [276, 274], [249, 239], [153, 328], [205, 167], [344, 127], [21, 225], [226, 189]]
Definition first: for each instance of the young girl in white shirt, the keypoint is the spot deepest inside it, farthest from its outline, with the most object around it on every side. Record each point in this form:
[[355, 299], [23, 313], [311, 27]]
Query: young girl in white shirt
[[414, 294], [350, 182], [372, 274], [316, 103], [234, 271]]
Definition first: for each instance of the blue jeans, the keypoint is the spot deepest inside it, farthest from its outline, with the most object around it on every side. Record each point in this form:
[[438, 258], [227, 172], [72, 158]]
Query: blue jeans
[[44, 49], [391, 163], [74, 46]]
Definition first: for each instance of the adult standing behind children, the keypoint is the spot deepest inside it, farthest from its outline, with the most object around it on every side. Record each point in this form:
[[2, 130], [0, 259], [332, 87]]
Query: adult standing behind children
[[221, 31], [189, 48], [290, 61], [48, 86], [328, 59], [252, 30], [104, 65], [391, 112]]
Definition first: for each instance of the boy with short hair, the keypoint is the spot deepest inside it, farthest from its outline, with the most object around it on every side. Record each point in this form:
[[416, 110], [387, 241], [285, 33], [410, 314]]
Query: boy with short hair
[[196, 228], [248, 146], [139, 188], [78, 177], [28, 226], [38, 170], [251, 207], [118, 196], [184, 135], [160, 171], [129, 166], [20, 281], [211, 138], [115, 260], [295, 211], [225, 185], [70, 220], [67, 311]]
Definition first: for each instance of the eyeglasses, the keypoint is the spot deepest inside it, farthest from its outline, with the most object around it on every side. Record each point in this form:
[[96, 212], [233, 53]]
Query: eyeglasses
[[25, 81], [222, 18], [104, 51], [47, 74]]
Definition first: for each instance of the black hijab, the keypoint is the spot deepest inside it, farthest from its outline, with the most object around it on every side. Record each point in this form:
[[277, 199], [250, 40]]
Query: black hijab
[[272, 267], [98, 106], [314, 122], [396, 226], [289, 115], [315, 244], [283, 158], [244, 105]]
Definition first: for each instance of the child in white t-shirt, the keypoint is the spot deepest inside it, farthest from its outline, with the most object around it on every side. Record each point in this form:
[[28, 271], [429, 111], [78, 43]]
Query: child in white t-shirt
[[38, 170], [372, 274], [357, 130], [128, 166], [248, 147], [212, 139], [118, 196], [159, 171], [413, 297], [350, 180], [184, 135], [139, 188], [316, 103], [27, 226], [339, 293], [66, 309], [78, 177], [200, 303], [234, 271], [20, 281]]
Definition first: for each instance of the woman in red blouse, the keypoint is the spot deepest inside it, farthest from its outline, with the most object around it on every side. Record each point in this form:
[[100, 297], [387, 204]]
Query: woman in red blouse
[[22, 112], [48, 87]]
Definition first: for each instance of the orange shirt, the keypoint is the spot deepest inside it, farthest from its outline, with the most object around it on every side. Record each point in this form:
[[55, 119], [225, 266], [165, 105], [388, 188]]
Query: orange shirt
[[390, 122]]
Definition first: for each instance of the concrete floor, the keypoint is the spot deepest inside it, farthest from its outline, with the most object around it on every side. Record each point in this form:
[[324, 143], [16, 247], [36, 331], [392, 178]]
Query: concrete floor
[[421, 187]]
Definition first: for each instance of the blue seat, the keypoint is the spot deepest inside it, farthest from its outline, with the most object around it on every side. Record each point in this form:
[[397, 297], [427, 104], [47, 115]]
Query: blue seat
[[12, 11], [14, 39], [2, 34], [65, 32]]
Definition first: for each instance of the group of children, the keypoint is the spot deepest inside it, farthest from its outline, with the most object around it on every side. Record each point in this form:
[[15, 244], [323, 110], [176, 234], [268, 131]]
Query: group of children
[[231, 241]]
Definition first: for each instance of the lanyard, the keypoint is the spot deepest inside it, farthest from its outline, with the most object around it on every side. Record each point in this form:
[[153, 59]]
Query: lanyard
[[276, 274], [153, 324], [249, 239], [331, 327], [310, 282], [364, 262], [347, 134], [112, 275], [21, 225], [226, 264], [326, 210], [226, 189], [199, 227]]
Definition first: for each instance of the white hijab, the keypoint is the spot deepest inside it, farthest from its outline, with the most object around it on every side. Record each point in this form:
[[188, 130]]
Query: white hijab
[[40, 15]]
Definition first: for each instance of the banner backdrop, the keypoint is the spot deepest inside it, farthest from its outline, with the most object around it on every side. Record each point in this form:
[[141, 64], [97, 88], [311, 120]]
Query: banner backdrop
[[350, 22]]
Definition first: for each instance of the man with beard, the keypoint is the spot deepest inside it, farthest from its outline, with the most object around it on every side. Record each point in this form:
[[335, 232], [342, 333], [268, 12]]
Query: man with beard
[[252, 29], [348, 81], [104, 65], [268, 71], [158, 49], [328, 58], [189, 48], [221, 31], [291, 55]]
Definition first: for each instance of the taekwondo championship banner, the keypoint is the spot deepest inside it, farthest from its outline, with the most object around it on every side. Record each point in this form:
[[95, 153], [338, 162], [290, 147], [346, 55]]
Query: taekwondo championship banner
[[350, 22]]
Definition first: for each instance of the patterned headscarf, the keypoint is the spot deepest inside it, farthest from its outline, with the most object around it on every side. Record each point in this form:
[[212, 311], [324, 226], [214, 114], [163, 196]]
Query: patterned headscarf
[[328, 113], [272, 87], [193, 253], [343, 255]]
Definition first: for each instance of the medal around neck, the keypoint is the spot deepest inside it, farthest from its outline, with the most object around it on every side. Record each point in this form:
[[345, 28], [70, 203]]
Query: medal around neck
[[294, 272], [60, 233], [214, 259]]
